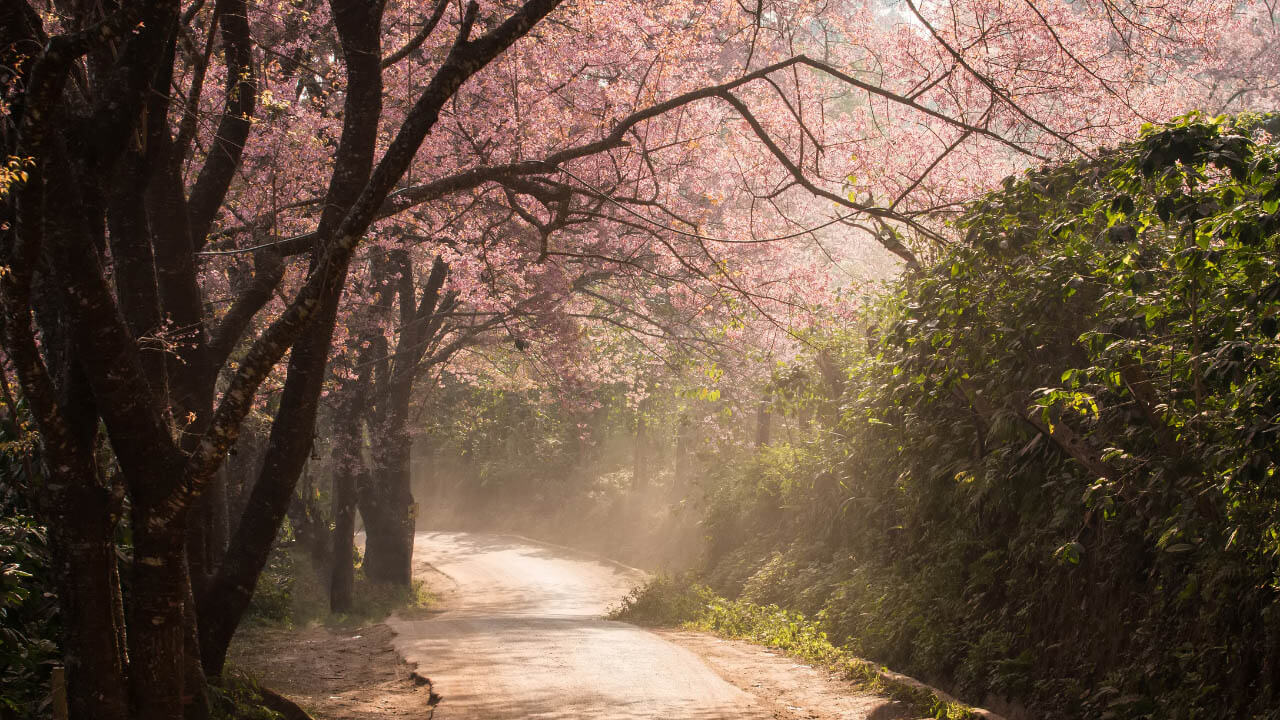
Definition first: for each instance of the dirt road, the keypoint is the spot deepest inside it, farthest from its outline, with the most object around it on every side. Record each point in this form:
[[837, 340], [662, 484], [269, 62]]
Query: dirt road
[[522, 636]]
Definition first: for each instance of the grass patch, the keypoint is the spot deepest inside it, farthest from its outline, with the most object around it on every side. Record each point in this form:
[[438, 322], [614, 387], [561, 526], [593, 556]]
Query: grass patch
[[293, 592], [680, 601], [238, 696], [374, 602]]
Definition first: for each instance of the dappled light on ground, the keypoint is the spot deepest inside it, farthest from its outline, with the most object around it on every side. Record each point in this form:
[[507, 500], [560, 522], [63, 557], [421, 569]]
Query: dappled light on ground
[[522, 637]]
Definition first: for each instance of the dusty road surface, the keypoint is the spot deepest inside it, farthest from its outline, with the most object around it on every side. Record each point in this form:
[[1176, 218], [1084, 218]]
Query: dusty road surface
[[522, 636]]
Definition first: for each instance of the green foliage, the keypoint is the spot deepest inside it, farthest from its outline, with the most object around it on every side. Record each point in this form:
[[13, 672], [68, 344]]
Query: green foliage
[[237, 696], [679, 601], [273, 597], [291, 591], [28, 618], [1052, 477], [374, 602], [664, 600], [615, 474], [29, 624]]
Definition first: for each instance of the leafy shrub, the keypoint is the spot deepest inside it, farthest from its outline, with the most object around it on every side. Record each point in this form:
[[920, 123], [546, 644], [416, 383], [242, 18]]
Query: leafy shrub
[[28, 619], [273, 596], [29, 623], [292, 591], [1053, 474], [237, 696], [663, 600]]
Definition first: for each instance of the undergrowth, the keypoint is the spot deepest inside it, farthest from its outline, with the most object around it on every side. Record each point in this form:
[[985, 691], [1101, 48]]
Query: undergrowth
[[681, 601], [292, 591], [238, 696]]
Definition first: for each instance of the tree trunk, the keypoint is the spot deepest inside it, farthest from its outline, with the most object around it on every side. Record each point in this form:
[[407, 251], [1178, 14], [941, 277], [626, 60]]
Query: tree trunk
[[80, 512], [196, 685], [684, 442], [386, 502], [224, 604], [764, 423], [242, 467], [207, 532], [348, 463], [157, 624], [219, 517], [227, 596], [342, 579], [310, 526], [386, 499], [165, 475], [640, 452], [88, 595], [389, 548], [387, 506]]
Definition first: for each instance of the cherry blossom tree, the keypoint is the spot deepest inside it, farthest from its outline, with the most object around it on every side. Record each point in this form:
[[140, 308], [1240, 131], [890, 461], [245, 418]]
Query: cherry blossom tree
[[171, 164]]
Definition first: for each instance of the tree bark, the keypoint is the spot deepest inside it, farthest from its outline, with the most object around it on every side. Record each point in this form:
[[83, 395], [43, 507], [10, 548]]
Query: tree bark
[[224, 603], [76, 129], [386, 498], [389, 513], [227, 596], [764, 423], [640, 450], [342, 578], [157, 620], [681, 475], [77, 507], [310, 526], [88, 595], [348, 465]]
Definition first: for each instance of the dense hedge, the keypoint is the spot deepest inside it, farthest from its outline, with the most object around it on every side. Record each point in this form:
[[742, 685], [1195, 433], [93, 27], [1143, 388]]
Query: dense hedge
[[1052, 474]]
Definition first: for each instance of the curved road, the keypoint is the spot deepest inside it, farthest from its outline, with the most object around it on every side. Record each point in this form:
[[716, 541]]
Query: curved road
[[522, 636]]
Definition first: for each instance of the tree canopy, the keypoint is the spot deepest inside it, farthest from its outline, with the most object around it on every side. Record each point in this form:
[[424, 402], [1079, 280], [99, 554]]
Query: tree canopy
[[218, 217]]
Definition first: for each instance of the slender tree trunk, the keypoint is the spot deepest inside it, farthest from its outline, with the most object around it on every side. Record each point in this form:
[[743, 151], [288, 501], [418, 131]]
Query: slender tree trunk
[[684, 441], [219, 517], [348, 463], [196, 685], [643, 452], [242, 468], [342, 579], [310, 526], [640, 452], [764, 423]]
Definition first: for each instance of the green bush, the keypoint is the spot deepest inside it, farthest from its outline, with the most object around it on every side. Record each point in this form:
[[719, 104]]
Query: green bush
[[292, 591], [28, 619], [29, 623], [237, 696], [1052, 475], [273, 597], [664, 600]]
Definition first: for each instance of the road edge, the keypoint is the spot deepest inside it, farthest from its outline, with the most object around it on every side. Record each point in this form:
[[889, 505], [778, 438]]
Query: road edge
[[885, 675]]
